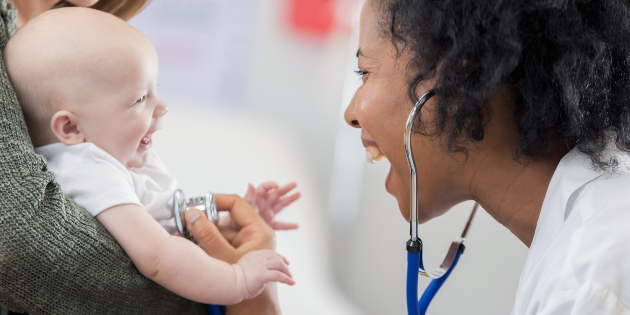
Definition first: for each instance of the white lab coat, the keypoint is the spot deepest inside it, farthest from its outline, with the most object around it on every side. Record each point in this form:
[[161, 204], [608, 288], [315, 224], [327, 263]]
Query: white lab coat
[[579, 260]]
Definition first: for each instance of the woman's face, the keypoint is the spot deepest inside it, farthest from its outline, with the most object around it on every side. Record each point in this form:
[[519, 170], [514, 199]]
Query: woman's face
[[380, 107]]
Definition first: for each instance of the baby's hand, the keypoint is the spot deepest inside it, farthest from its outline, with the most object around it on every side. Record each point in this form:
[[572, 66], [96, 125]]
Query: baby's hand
[[266, 200], [258, 268]]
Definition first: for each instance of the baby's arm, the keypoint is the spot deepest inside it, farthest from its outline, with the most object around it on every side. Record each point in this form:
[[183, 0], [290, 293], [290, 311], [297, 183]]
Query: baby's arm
[[183, 268]]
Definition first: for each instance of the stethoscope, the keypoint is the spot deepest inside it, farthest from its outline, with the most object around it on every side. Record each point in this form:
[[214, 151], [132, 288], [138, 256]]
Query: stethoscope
[[205, 204], [415, 266]]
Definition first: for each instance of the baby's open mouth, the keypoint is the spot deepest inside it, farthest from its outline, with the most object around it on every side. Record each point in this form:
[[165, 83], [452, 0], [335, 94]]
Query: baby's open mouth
[[374, 154], [145, 143]]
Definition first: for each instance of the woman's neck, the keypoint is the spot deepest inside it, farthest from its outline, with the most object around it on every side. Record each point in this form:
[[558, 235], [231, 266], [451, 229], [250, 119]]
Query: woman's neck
[[28, 9], [513, 193]]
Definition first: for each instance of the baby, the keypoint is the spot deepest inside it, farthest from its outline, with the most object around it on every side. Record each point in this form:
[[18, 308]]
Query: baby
[[86, 81]]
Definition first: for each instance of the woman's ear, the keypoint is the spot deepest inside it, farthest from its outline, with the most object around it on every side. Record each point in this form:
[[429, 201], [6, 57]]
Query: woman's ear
[[64, 126]]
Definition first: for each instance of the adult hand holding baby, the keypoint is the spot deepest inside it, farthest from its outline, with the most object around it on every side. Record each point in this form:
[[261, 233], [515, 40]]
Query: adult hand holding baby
[[229, 245]]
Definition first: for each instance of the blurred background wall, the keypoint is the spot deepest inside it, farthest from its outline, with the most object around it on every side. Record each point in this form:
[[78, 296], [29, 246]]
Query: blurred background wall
[[256, 90]]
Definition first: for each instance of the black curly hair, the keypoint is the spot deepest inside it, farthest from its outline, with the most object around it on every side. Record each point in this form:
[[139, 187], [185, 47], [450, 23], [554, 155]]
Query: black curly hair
[[568, 59]]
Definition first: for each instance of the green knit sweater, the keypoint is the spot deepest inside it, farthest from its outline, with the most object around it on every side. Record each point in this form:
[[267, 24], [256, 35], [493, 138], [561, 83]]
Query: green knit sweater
[[54, 257]]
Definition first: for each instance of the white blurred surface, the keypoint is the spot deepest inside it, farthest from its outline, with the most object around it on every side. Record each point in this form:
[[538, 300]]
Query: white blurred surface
[[251, 101]]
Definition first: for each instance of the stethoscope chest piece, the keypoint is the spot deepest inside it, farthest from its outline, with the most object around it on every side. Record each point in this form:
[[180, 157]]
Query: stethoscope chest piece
[[181, 205]]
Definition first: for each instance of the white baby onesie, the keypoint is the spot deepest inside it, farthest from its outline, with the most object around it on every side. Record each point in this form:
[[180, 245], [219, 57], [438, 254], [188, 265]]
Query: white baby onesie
[[97, 181]]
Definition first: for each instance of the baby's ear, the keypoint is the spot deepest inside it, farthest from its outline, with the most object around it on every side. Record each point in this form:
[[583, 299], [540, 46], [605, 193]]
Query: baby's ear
[[64, 126]]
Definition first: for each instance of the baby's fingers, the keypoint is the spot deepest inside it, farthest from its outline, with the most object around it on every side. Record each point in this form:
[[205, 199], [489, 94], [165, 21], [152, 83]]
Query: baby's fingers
[[283, 225], [281, 191], [286, 261], [285, 202], [278, 263], [273, 275], [286, 188], [250, 195], [264, 188]]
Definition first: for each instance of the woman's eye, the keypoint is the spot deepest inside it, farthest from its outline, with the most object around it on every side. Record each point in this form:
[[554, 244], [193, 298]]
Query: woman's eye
[[360, 72]]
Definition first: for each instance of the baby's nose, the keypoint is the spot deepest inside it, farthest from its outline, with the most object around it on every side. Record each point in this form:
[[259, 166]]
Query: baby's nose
[[160, 110]]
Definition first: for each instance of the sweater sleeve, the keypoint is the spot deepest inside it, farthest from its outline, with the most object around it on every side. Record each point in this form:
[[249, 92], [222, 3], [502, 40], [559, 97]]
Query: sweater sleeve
[[54, 257]]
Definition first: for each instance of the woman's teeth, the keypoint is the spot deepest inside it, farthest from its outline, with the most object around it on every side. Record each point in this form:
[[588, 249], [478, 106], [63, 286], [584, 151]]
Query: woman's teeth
[[373, 154]]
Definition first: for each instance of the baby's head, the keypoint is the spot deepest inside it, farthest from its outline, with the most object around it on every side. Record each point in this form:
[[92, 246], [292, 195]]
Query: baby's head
[[82, 75]]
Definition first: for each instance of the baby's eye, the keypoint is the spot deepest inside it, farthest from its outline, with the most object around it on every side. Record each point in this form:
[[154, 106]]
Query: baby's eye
[[140, 100]]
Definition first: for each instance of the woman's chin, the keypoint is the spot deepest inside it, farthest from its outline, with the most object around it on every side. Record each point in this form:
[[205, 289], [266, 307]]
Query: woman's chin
[[388, 182], [392, 185], [404, 210]]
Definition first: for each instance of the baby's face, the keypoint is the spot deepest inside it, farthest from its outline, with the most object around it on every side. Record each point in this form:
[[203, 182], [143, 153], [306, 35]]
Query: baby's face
[[95, 78], [122, 109]]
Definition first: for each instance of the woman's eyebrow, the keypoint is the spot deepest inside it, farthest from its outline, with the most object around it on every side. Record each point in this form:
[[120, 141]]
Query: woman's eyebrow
[[360, 53]]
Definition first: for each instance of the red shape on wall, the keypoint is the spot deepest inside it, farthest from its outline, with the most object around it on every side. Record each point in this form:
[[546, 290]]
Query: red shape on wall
[[316, 17]]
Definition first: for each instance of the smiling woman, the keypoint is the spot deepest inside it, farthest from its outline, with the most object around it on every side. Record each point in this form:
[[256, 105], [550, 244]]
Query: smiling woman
[[531, 119]]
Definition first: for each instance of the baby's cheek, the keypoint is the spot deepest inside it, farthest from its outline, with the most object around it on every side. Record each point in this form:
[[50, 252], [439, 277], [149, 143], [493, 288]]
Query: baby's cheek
[[140, 128]]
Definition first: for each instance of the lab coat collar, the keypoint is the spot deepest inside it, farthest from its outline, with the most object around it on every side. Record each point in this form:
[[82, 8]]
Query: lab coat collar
[[574, 171]]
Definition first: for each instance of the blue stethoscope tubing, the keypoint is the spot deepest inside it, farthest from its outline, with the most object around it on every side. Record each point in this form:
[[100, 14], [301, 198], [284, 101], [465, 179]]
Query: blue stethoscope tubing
[[415, 306], [415, 266], [215, 309]]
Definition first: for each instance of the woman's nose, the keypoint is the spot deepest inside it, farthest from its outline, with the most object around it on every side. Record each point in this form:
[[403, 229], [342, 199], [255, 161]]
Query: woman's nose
[[351, 115], [160, 110]]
